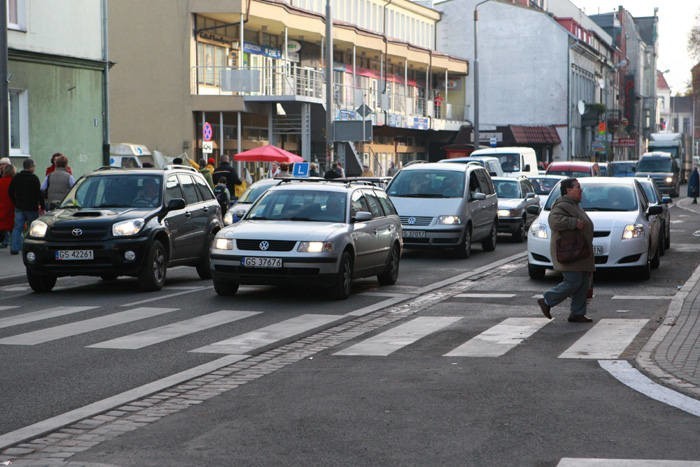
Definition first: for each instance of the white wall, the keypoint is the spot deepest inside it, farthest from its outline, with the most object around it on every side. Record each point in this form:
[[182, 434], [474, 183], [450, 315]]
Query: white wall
[[61, 27]]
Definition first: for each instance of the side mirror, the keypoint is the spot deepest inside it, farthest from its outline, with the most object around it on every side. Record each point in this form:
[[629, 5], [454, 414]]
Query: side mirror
[[665, 199], [529, 195], [533, 209], [478, 196], [655, 210], [175, 204], [362, 216]]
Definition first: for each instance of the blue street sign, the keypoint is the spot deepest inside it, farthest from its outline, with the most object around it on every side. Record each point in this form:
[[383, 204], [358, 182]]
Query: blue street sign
[[300, 170]]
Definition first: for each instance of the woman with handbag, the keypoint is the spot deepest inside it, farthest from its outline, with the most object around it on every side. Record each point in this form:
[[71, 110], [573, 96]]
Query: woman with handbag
[[571, 248]]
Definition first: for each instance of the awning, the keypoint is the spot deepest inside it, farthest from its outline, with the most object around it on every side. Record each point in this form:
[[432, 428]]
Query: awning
[[520, 134]]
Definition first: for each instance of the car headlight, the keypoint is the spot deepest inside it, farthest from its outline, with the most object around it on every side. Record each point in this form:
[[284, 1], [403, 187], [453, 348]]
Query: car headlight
[[38, 229], [508, 213], [228, 218], [632, 231], [539, 230], [669, 179], [315, 247], [128, 228], [223, 244], [449, 220]]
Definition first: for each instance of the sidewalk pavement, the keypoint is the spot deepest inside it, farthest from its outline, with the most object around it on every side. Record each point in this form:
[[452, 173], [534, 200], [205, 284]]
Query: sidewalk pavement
[[672, 354]]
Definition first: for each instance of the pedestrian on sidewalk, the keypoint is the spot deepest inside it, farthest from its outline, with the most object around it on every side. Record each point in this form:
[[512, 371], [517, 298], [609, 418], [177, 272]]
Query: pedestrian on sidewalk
[[58, 183], [694, 185], [25, 193], [52, 167], [7, 207], [567, 214]]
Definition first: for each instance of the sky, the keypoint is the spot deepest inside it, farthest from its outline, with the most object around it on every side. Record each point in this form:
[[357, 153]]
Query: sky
[[676, 18]]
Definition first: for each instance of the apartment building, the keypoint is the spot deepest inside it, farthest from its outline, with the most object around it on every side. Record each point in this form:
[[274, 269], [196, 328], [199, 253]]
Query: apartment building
[[254, 71]]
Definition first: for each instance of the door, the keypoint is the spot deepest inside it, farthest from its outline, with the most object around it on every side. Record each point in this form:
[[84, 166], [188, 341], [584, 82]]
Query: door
[[176, 220], [362, 233]]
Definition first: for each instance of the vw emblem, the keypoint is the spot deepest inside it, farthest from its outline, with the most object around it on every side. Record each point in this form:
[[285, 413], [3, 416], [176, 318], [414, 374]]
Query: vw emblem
[[77, 232], [411, 220], [264, 245]]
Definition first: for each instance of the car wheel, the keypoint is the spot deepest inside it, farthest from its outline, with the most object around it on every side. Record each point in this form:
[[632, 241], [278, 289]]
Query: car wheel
[[343, 282], [519, 234], [152, 276], [662, 241], [108, 277], [391, 272], [656, 260], [204, 264], [225, 288], [465, 248], [535, 272], [489, 243], [644, 272], [667, 238], [41, 283]]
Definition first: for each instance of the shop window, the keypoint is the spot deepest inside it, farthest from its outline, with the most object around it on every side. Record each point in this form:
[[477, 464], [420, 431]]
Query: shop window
[[18, 104]]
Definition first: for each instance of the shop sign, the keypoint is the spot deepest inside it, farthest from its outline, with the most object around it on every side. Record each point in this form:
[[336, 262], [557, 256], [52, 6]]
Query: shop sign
[[293, 46], [624, 142], [256, 49]]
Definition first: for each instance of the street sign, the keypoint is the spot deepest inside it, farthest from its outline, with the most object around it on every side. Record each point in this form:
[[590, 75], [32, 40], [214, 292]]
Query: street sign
[[300, 170], [364, 110], [493, 141], [207, 147], [207, 132]]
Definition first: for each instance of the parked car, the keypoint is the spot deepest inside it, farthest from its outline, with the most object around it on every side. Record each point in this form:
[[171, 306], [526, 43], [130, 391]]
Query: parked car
[[543, 185], [656, 198], [125, 222], [254, 191], [626, 227], [663, 169], [575, 169], [320, 233], [514, 196], [622, 168], [446, 206], [378, 181], [491, 164]]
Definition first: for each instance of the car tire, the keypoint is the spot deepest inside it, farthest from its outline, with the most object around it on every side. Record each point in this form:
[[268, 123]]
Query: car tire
[[535, 272], [41, 283], [343, 281], [225, 288], [519, 234], [152, 276], [391, 272], [204, 264], [644, 272], [489, 243], [464, 250], [662, 241], [107, 277], [656, 260], [667, 238]]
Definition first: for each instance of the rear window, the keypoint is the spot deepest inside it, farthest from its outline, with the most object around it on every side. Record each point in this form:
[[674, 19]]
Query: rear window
[[543, 185], [571, 173]]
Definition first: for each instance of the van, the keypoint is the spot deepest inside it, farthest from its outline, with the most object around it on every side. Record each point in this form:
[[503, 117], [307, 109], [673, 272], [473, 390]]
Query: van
[[515, 161], [663, 169], [129, 156], [491, 164], [573, 169], [446, 206]]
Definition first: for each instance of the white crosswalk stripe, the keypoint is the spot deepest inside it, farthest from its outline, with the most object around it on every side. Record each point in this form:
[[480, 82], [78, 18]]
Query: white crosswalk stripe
[[252, 340], [405, 334], [606, 340], [143, 339], [81, 327], [8, 307], [25, 318], [499, 339]]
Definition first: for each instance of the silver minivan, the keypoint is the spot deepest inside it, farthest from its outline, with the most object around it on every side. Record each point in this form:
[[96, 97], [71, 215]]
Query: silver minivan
[[446, 206]]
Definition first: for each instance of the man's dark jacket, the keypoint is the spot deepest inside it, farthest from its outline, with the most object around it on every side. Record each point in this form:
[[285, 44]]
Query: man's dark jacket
[[226, 170], [25, 191]]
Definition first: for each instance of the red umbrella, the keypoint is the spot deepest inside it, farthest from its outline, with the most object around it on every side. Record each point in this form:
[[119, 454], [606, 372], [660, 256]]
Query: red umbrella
[[268, 153]]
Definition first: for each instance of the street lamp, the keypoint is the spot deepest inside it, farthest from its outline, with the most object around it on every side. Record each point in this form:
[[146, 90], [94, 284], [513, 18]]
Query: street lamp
[[476, 76]]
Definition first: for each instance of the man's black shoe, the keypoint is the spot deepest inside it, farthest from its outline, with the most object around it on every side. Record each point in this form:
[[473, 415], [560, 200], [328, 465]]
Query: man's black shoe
[[580, 319], [545, 308]]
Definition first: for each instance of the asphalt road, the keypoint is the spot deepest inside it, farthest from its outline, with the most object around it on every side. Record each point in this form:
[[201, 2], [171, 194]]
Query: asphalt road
[[414, 405]]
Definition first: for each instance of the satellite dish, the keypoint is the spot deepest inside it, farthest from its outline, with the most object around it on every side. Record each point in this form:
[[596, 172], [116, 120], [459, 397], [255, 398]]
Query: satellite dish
[[581, 107]]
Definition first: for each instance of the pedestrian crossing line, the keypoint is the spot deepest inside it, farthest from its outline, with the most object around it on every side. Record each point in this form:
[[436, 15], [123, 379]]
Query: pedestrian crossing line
[[405, 334], [641, 297], [41, 314], [153, 336], [606, 340], [166, 296], [602, 462], [81, 327], [8, 307], [499, 339], [249, 341], [485, 295]]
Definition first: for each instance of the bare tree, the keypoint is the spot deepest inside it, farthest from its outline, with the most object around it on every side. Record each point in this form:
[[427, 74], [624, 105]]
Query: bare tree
[[694, 39]]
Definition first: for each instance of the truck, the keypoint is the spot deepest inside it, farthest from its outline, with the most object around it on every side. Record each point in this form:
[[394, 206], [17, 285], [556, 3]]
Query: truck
[[673, 143]]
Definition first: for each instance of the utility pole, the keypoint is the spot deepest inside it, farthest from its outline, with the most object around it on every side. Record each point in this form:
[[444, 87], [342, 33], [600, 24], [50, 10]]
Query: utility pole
[[329, 83], [4, 114]]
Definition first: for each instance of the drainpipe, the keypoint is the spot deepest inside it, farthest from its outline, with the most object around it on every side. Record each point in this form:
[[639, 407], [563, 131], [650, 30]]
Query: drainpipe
[[105, 84]]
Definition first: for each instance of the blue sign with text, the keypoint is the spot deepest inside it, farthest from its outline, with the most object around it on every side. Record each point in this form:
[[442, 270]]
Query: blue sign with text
[[300, 170]]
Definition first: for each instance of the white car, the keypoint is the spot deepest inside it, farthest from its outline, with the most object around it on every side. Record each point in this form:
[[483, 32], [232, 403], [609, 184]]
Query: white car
[[626, 227]]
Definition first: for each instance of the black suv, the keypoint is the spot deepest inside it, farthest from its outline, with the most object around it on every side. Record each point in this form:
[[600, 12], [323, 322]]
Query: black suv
[[125, 222]]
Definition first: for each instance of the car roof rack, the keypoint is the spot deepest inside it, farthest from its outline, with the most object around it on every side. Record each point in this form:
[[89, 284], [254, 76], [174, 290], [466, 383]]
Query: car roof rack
[[178, 166]]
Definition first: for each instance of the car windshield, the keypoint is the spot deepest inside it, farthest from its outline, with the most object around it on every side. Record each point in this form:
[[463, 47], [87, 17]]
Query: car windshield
[[543, 185], [507, 188], [655, 164], [115, 191], [509, 162], [300, 205], [623, 169], [602, 197], [254, 192], [427, 184]]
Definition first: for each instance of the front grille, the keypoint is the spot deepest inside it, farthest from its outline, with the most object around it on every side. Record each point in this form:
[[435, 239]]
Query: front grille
[[419, 220], [274, 245], [601, 233], [66, 234]]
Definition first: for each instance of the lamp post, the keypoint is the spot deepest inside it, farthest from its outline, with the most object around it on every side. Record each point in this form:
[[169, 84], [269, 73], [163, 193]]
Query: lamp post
[[476, 76], [329, 83]]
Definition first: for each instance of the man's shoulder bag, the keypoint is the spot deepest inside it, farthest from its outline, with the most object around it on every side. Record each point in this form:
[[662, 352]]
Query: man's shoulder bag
[[571, 246]]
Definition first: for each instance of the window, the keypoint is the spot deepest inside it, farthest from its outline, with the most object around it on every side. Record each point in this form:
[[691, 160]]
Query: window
[[19, 122], [189, 188], [16, 14]]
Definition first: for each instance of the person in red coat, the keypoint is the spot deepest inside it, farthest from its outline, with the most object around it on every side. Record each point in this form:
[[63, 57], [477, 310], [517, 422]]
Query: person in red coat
[[7, 207], [52, 167]]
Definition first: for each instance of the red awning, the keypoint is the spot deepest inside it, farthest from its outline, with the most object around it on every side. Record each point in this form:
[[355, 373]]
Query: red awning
[[534, 134]]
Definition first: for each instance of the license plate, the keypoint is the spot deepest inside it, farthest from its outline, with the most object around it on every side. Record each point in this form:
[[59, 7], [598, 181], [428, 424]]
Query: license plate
[[598, 250], [74, 255], [414, 234], [255, 262]]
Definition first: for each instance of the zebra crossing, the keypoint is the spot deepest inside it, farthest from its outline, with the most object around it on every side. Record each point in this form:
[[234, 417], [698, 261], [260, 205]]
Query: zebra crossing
[[605, 339]]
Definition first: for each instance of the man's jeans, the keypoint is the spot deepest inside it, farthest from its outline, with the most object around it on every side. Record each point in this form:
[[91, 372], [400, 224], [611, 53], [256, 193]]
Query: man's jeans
[[574, 285], [20, 218]]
